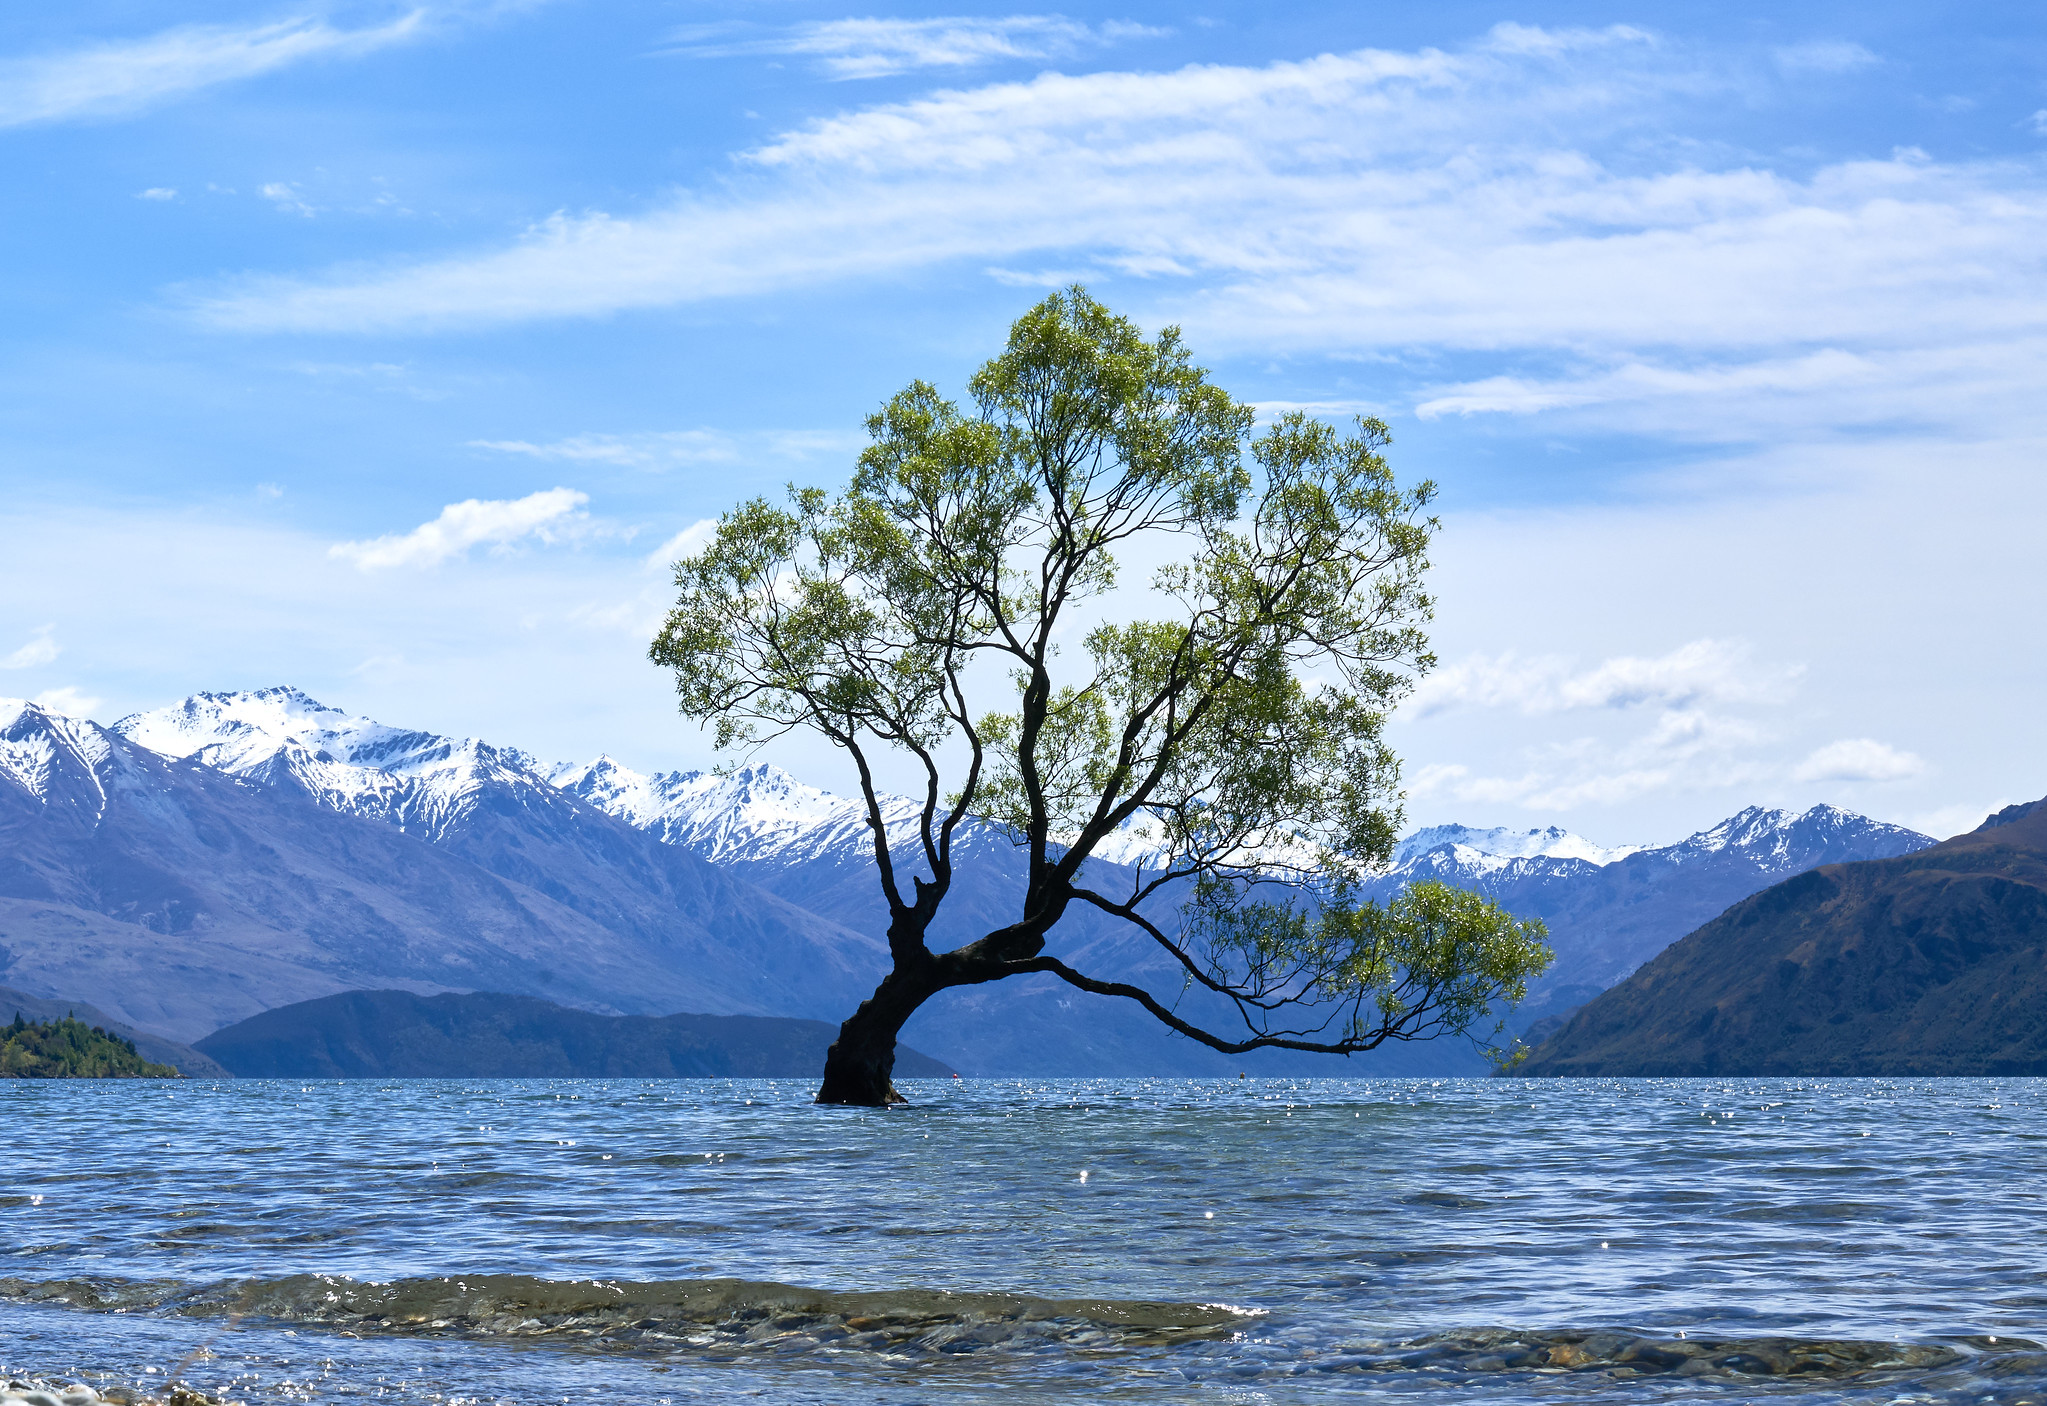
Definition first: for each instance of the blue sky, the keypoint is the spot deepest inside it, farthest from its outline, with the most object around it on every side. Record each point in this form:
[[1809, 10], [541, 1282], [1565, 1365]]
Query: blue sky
[[1722, 328]]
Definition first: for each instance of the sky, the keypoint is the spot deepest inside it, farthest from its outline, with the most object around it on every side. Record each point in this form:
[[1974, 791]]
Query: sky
[[390, 351]]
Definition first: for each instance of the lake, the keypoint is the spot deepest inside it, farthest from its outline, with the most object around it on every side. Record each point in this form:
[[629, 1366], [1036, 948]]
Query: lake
[[1247, 1241]]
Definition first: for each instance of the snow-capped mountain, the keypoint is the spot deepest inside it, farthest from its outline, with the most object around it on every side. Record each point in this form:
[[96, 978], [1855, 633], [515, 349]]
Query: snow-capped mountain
[[1609, 908], [758, 814], [180, 898], [704, 938], [1502, 843], [682, 890], [54, 759], [1608, 915], [762, 814], [1785, 841], [419, 781]]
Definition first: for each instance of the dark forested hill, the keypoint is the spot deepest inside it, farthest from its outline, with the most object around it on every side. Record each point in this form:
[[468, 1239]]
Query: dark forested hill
[[1931, 964], [483, 1035]]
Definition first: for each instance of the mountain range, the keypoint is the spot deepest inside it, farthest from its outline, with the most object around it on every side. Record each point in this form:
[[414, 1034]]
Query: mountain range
[[191, 866], [1608, 915], [1933, 963]]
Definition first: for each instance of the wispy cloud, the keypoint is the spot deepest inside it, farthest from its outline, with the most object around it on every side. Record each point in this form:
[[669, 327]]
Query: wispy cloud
[[1686, 749], [659, 450], [876, 48], [1859, 759], [157, 193], [468, 524], [109, 80], [285, 197], [663, 449], [41, 649], [68, 701], [1824, 56], [1990, 378], [1703, 671], [684, 543], [1693, 734], [1371, 203]]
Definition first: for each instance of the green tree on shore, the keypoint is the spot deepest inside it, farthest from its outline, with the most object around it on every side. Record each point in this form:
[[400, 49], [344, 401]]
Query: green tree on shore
[[1230, 713], [71, 1049]]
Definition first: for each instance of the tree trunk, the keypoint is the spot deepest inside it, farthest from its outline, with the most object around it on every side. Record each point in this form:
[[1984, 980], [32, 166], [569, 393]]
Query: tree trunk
[[859, 1065]]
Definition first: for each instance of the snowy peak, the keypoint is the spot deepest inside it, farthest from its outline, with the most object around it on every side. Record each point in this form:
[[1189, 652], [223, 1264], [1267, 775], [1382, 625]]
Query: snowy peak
[[1501, 842], [758, 813], [59, 763], [238, 731], [427, 783], [282, 737], [1759, 840], [1781, 841]]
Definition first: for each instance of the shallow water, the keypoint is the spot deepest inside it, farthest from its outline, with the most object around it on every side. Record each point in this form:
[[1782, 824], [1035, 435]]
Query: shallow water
[[1251, 1241]]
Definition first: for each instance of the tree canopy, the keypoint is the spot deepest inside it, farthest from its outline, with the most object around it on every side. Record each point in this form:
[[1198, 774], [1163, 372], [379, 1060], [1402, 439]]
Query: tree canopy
[[70, 1049], [962, 605]]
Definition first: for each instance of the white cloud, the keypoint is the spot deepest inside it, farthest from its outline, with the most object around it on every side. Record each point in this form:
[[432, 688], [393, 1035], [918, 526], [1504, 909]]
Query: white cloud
[[464, 525], [107, 80], [1706, 670], [1691, 742], [1945, 822], [1965, 384], [157, 193], [1343, 409], [1684, 750], [1035, 278], [669, 448], [286, 198], [876, 48], [1859, 759], [1371, 203], [68, 701], [1824, 56], [642, 451], [41, 649], [1639, 380], [2039, 121], [684, 543]]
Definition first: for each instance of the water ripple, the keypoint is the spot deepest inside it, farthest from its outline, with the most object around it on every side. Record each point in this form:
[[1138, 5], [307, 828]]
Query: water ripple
[[1383, 1229]]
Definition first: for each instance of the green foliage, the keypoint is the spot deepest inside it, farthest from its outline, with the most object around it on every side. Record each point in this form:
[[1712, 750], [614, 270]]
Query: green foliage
[[71, 1049], [1230, 709], [1435, 960]]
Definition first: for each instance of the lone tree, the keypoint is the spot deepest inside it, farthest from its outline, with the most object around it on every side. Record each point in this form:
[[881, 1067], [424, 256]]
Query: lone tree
[[1237, 729]]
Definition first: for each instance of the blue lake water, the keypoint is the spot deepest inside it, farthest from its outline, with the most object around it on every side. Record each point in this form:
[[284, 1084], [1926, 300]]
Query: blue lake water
[[1157, 1240]]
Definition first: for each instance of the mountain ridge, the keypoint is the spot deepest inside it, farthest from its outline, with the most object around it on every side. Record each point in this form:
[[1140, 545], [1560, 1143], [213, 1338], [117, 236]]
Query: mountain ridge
[[625, 853], [1931, 963], [179, 898]]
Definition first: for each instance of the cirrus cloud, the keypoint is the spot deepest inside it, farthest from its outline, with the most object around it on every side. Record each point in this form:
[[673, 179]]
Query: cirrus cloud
[[1859, 759], [41, 649], [1703, 671], [878, 48], [112, 79], [1489, 200], [643, 451], [467, 524]]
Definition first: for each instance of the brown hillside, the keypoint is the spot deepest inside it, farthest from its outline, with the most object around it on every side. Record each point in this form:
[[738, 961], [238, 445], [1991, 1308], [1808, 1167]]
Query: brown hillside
[[1930, 964]]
